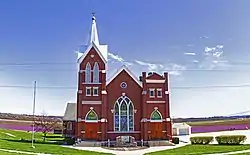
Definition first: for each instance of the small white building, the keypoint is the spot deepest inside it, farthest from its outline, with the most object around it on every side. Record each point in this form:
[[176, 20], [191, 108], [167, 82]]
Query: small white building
[[180, 129]]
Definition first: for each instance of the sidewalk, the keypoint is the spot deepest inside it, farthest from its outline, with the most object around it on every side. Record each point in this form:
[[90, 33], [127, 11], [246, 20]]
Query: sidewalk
[[15, 151], [135, 152]]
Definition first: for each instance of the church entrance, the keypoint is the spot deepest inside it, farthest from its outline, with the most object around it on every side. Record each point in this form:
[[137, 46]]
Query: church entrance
[[156, 125], [91, 125], [156, 130], [91, 130]]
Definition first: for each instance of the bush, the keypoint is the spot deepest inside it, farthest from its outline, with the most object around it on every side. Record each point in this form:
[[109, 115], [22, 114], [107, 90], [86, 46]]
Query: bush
[[175, 140], [230, 139], [69, 141], [201, 140]]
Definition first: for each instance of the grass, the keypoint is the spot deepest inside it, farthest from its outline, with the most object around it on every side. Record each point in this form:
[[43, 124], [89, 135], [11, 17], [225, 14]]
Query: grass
[[22, 143], [202, 149]]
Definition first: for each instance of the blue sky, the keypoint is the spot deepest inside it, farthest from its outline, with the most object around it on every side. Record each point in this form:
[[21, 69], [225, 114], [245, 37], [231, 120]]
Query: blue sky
[[175, 36]]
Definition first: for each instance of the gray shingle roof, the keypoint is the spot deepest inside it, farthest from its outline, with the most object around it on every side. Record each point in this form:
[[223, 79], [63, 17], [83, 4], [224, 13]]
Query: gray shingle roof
[[70, 112]]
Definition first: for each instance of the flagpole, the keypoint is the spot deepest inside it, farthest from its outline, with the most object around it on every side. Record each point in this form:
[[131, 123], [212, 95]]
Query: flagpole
[[33, 126]]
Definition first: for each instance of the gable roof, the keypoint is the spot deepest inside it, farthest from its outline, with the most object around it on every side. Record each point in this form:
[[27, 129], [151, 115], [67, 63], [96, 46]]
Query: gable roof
[[88, 50], [123, 67], [70, 112], [155, 75]]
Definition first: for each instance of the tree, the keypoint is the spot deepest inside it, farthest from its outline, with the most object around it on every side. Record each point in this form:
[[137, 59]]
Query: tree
[[45, 124]]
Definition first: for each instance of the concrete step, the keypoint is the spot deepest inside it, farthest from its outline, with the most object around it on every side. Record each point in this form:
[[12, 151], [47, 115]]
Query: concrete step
[[89, 144], [160, 143]]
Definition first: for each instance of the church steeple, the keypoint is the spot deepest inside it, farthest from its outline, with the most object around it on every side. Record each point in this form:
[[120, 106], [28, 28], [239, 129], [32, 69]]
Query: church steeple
[[94, 34], [93, 42]]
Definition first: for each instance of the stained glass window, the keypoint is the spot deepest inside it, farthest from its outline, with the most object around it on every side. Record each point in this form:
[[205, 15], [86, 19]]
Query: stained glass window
[[96, 73], [88, 73], [123, 114], [91, 116], [156, 115]]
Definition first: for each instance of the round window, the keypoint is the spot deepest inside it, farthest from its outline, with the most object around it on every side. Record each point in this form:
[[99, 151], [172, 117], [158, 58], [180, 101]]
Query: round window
[[123, 85]]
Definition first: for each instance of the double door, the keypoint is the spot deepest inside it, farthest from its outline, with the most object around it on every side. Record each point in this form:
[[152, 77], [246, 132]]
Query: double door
[[91, 131], [156, 130]]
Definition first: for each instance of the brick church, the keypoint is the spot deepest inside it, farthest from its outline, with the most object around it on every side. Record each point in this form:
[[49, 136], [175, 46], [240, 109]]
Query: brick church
[[122, 105]]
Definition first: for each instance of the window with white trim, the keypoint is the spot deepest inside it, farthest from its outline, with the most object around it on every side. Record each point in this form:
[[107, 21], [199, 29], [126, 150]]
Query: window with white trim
[[151, 92], [95, 91], [88, 73], [123, 115], [159, 93], [96, 73], [88, 91]]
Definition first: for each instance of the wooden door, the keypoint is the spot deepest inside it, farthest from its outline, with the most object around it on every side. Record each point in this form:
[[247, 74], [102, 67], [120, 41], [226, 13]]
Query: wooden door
[[91, 130], [156, 130]]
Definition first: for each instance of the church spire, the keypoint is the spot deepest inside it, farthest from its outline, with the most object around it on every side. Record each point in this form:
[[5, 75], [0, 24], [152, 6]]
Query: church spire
[[94, 35]]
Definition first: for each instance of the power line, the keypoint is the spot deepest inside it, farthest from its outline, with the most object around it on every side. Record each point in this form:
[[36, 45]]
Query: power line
[[37, 63], [143, 63], [175, 87]]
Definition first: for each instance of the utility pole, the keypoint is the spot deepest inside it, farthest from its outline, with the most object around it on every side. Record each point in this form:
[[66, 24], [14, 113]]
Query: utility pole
[[34, 107]]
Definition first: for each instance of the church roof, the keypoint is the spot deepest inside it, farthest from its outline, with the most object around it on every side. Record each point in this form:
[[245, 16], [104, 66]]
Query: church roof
[[125, 68], [70, 112]]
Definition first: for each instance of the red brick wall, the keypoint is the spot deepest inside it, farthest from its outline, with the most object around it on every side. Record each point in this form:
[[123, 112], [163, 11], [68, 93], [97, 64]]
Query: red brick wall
[[133, 91]]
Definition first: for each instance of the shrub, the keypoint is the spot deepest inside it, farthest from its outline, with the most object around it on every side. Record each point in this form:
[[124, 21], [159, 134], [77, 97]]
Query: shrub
[[69, 141], [175, 140], [230, 139], [201, 139]]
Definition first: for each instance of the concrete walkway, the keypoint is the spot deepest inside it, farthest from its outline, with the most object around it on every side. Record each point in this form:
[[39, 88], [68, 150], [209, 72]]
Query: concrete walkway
[[135, 152], [22, 152]]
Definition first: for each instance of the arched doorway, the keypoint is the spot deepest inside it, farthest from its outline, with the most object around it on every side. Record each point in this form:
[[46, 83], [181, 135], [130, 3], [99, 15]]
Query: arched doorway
[[156, 125], [91, 125]]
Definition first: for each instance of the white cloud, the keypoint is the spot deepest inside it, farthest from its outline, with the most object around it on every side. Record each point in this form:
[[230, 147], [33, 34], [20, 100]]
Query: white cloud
[[116, 57], [189, 53], [204, 37], [151, 66], [213, 57], [173, 69]]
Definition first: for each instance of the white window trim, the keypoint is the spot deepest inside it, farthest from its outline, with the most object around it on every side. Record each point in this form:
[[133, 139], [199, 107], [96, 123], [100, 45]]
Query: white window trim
[[94, 88], [93, 121], [96, 77], [150, 90], [87, 76], [156, 110], [87, 91], [159, 89], [119, 107]]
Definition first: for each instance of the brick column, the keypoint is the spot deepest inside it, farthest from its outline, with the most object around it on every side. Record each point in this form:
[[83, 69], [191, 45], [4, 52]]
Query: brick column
[[144, 131], [168, 122], [104, 107]]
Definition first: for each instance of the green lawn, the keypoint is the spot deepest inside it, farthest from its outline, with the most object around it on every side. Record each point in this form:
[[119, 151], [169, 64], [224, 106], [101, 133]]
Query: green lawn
[[15, 143], [201, 149]]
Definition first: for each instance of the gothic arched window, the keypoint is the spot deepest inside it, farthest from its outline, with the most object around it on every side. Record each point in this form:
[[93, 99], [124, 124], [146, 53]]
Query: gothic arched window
[[123, 115], [156, 115], [96, 73], [88, 73], [91, 116]]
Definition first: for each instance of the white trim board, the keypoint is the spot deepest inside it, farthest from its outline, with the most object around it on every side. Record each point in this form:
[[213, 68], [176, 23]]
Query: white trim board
[[88, 50], [154, 81], [125, 68]]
